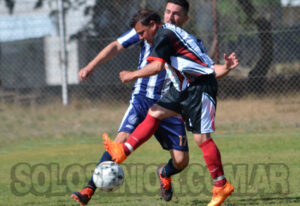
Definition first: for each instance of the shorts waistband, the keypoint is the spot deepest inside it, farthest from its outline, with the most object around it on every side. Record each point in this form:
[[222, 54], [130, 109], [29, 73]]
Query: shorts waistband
[[202, 79]]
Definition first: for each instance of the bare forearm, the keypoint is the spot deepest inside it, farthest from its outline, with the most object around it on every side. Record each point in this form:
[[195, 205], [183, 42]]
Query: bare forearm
[[149, 70], [106, 54], [221, 71], [231, 62]]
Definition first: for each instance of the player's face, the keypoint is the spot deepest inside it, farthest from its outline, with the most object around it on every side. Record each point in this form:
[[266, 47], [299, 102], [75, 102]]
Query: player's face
[[174, 14], [146, 32]]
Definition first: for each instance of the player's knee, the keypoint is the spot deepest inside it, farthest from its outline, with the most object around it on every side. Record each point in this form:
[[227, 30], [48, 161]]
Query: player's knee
[[160, 112], [181, 162], [200, 138], [155, 111]]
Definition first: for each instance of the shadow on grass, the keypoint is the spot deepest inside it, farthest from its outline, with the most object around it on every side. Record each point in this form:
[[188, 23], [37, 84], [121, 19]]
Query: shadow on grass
[[256, 201], [68, 201], [140, 201], [270, 200]]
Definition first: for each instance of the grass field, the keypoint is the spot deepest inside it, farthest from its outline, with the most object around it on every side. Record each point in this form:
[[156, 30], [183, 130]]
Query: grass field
[[47, 153]]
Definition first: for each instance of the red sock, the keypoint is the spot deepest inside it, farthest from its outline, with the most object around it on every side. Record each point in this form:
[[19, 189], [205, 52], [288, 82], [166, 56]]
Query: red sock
[[141, 134], [212, 157]]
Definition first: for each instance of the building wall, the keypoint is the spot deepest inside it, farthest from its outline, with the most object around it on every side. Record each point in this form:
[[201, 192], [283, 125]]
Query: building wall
[[291, 15], [52, 61]]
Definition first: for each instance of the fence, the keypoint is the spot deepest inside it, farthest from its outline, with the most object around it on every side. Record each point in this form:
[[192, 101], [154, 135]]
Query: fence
[[263, 33]]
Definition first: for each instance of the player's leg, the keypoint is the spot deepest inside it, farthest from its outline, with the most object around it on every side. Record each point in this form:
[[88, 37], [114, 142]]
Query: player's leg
[[199, 111], [172, 137], [121, 138], [212, 157], [141, 134], [84, 195], [202, 125], [129, 122], [167, 106], [180, 161]]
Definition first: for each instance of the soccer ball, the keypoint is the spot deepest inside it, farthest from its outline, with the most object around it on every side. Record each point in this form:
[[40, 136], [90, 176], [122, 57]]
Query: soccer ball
[[108, 176]]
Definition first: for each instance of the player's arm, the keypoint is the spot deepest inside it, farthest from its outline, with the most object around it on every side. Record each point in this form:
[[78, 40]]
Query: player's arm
[[160, 54], [127, 40], [150, 69], [231, 62], [110, 51], [221, 70]]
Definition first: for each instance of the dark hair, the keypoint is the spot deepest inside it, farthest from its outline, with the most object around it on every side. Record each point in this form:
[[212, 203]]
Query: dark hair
[[144, 16], [183, 3]]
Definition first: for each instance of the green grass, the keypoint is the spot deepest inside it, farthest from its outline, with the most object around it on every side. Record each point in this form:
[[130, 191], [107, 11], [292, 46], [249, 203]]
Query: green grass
[[49, 152], [248, 154]]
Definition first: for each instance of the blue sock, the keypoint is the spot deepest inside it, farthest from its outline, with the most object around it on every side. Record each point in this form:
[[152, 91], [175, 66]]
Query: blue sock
[[91, 184], [168, 170], [105, 157]]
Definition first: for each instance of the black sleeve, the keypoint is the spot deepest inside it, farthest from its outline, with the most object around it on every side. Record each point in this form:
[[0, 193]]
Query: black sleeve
[[162, 45]]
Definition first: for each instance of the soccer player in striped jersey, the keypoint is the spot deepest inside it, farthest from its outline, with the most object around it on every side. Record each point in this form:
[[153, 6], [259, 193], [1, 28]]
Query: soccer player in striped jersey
[[146, 92], [192, 93]]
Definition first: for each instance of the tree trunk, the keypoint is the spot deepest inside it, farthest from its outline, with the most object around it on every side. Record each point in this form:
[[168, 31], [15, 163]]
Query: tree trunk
[[214, 51], [257, 76]]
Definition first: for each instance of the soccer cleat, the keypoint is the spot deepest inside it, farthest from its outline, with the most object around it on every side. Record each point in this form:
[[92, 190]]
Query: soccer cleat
[[115, 149], [166, 190], [83, 196], [220, 194]]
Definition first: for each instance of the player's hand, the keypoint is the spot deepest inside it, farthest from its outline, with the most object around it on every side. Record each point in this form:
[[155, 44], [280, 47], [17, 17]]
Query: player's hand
[[126, 76], [84, 73], [231, 62]]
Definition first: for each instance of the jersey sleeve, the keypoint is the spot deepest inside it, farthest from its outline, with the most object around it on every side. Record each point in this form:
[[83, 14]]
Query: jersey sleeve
[[203, 49], [162, 46], [129, 38]]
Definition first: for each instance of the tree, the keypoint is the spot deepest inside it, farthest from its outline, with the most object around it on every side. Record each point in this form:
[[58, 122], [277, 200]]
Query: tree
[[257, 76], [10, 5], [107, 17]]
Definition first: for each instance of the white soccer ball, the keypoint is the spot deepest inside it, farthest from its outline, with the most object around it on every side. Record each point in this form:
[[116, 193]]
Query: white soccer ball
[[108, 176]]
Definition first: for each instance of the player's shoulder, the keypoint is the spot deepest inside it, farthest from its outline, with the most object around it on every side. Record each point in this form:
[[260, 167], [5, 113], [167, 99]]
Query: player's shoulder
[[167, 31], [129, 38], [168, 28], [173, 28]]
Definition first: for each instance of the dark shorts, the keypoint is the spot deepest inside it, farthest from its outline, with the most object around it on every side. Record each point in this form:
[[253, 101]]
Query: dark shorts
[[196, 104], [171, 132]]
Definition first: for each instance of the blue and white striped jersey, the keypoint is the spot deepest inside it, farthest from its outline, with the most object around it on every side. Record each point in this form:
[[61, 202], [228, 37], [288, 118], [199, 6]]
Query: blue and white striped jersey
[[184, 54], [154, 86]]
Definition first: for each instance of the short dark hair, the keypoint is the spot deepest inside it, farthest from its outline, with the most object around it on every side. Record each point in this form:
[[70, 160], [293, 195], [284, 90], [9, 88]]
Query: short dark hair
[[144, 16], [183, 3]]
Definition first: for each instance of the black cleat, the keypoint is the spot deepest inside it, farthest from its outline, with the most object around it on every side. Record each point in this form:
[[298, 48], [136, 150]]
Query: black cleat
[[166, 190]]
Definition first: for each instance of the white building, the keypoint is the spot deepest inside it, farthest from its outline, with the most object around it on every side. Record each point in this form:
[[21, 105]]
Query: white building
[[290, 2], [26, 23]]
